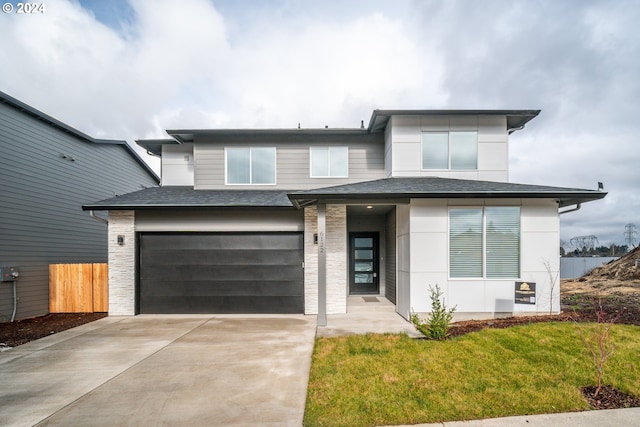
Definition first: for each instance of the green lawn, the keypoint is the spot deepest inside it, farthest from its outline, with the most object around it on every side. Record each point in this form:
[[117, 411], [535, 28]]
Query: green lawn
[[369, 380]]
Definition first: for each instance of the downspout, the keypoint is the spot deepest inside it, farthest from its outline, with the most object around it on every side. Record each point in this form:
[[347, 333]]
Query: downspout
[[98, 218], [577, 208]]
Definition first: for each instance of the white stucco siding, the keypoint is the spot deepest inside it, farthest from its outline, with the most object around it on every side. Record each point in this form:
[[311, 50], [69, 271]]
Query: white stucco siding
[[403, 255], [405, 153], [429, 259], [177, 164], [540, 225]]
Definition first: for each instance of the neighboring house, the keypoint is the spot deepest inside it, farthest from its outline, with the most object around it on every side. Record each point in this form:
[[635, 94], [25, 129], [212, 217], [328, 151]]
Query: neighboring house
[[297, 220], [47, 171]]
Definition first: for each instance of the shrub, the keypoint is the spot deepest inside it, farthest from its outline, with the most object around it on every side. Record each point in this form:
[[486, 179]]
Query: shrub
[[437, 325]]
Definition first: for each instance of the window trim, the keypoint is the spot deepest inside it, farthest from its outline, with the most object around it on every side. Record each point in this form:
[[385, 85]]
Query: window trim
[[484, 244], [448, 133], [328, 147], [250, 148]]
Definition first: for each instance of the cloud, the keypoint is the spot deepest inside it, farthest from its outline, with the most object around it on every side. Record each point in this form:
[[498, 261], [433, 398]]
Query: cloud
[[200, 63]]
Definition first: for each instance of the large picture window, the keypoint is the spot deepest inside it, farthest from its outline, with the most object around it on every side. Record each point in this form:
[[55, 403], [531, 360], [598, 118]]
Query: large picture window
[[251, 165], [484, 242], [329, 162], [450, 150]]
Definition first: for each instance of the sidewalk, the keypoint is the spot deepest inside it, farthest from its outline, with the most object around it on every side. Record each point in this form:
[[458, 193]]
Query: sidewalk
[[611, 417]]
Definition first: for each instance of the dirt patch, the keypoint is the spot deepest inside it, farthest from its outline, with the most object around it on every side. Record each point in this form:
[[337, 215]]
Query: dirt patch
[[22, 331]]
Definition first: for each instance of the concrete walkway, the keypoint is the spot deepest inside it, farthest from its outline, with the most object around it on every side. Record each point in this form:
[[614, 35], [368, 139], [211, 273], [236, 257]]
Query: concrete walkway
[[367, 315], [612, 417], [162, 370]]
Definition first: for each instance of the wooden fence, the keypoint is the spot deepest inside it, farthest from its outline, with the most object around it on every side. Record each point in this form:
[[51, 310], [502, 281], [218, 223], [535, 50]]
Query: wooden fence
[[78, 288]]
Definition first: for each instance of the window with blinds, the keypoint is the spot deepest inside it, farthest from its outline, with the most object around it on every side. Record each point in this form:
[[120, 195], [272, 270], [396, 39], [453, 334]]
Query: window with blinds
[[465, 242], [503, 242], [484, 242]]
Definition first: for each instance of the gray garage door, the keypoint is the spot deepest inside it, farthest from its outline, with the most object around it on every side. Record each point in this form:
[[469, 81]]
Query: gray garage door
[[221, 273]]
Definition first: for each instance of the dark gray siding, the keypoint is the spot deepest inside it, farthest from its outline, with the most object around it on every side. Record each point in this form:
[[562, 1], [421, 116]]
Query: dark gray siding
[[390, 257], [41, 194]]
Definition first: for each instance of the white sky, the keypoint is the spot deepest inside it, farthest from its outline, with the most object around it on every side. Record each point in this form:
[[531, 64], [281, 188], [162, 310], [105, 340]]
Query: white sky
[[130, 69]]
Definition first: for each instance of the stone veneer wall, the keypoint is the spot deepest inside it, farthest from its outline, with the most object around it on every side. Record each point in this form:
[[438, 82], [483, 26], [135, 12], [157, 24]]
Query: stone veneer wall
[[122, 263], [336, 244]]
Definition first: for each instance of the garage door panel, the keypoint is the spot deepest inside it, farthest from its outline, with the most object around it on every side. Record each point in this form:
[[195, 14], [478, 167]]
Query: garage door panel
[[221, 273], [218, 273], [226, 305], [225, 288], [231, 241], [191, 257]]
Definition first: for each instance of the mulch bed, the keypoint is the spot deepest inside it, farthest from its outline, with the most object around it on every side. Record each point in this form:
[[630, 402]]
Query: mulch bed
[[23, 331], [609, 398]]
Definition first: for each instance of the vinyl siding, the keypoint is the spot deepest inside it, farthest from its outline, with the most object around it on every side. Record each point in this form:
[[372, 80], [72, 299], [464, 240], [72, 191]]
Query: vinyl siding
[[366, 161], [41, 219]]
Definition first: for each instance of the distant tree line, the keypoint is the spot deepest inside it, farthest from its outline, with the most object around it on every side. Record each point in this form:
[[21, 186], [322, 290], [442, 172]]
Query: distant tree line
[[613, 250]]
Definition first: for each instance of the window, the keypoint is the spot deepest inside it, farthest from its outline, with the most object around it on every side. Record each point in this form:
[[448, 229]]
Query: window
[[329, 162], [251, 165], [484, 242], [450, 150]]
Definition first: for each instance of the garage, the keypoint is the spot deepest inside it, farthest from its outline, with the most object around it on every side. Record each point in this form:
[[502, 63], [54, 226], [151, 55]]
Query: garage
[[203, 273]]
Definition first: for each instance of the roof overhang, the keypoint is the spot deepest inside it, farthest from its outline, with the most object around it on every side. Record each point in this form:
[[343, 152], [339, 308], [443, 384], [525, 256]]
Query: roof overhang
[[189, 135], [516, 119], [154, 146], [401, 190]]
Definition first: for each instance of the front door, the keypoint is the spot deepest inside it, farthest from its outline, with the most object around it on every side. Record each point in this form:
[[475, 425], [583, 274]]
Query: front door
[[363, 263]]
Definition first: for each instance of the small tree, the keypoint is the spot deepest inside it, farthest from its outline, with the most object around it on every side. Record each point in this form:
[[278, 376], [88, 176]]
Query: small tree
[[599, 343], [437, 325], [553, 281]]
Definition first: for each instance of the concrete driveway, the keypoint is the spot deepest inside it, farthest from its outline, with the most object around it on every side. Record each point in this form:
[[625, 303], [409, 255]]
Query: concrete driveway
[[162, 370]]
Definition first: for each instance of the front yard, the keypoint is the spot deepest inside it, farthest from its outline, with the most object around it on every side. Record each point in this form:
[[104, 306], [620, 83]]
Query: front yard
[[371, 380]]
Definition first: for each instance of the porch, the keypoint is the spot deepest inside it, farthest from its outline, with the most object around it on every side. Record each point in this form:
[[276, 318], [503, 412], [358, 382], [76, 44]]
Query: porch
[[367, 314]]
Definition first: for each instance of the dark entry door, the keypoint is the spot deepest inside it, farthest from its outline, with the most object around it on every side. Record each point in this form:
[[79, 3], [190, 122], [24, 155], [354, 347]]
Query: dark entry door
[[363, 263]]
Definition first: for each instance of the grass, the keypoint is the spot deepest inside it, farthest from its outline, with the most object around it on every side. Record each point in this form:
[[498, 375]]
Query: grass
[[369, 380]]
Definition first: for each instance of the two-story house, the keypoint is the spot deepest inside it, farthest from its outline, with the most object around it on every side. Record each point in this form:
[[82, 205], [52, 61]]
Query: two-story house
[[297, 220]]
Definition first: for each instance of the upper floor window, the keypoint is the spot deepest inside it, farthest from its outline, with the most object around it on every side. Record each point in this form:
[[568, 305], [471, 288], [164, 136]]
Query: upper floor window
[[329, 162], [250, 165], [484, 242], [450, 150]]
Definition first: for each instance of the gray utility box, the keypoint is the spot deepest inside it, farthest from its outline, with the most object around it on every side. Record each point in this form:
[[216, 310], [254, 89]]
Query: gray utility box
[[8, 274]]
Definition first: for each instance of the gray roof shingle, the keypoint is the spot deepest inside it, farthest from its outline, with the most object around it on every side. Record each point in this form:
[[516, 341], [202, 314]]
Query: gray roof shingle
[[187, 197], [388, 188], [433, 187]]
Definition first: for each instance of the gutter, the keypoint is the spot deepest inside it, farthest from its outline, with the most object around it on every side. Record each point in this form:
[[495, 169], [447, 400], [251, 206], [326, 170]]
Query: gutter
[[577, 208], [98, 218]]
